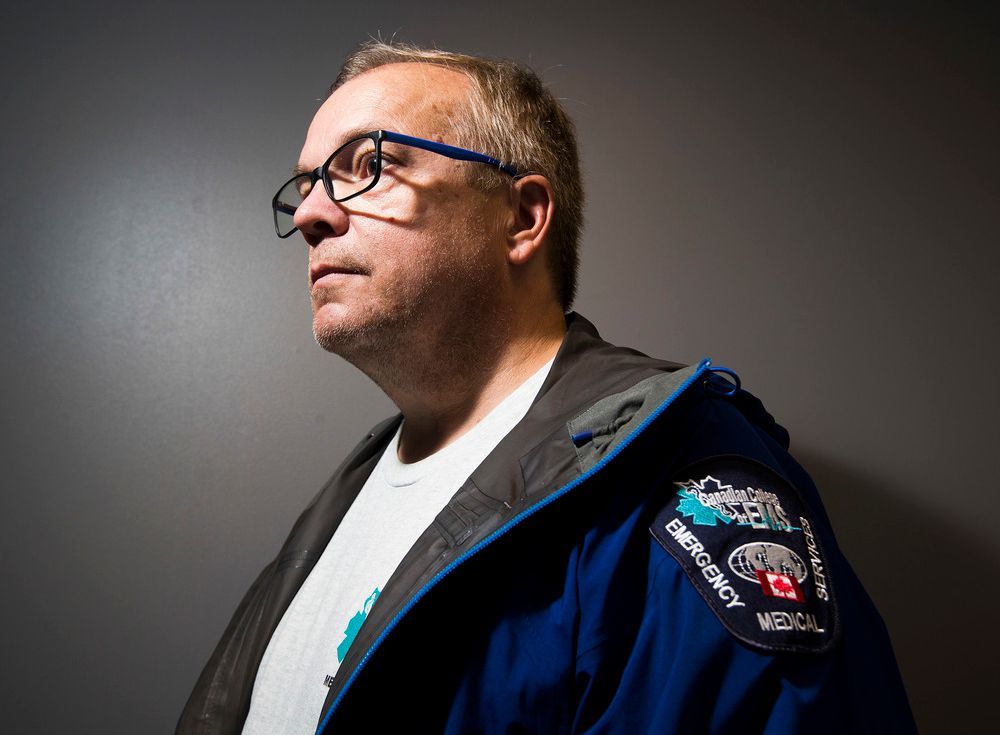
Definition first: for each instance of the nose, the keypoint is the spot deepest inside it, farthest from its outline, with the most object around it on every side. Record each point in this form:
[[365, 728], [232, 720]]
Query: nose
[[319, 217]]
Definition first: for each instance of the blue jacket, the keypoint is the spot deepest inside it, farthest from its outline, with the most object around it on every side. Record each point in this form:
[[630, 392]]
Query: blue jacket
[[640, 554]]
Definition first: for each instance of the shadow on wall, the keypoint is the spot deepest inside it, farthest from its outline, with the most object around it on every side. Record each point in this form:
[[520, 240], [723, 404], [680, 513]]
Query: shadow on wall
[[936, 590]]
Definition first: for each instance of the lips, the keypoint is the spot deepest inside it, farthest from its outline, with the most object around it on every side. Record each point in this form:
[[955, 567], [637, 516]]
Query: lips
[[321, 270]]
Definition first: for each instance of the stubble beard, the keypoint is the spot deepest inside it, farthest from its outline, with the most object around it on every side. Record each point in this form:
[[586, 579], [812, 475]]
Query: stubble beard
[[422, 338], [364, 338]]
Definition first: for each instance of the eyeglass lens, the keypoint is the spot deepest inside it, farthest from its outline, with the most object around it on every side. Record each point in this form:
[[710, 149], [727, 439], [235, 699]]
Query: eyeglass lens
[[287, 200], [353, 168]]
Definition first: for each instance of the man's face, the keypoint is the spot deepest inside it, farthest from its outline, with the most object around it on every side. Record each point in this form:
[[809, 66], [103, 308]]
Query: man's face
[[418, 257]]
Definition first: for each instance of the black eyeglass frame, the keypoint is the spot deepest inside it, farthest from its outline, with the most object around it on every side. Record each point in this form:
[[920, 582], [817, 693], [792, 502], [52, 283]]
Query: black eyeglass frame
[[321, 173]]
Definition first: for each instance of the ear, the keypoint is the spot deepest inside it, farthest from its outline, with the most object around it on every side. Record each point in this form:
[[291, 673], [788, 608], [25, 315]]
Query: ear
[[532, 208]]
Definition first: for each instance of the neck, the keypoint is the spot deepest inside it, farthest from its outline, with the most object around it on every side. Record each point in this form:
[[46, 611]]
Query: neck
[[445, 386]]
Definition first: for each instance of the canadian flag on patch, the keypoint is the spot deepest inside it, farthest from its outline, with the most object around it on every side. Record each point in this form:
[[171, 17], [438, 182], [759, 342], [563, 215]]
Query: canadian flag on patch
[[784, 586]]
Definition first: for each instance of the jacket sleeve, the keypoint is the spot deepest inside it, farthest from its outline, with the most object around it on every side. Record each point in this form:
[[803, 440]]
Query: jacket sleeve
[[685, 673], [675, 665], [220, 699]]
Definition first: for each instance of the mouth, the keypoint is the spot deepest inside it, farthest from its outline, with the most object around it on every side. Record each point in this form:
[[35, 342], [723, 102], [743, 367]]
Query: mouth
[[330, 272]]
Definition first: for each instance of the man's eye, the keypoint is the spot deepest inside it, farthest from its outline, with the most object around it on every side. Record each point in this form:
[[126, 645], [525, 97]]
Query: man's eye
[[304, 186], [370, 165]]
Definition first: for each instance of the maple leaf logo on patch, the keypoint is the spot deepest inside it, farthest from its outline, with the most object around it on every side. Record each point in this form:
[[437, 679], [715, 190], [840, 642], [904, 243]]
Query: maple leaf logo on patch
[[782, 585], [690, 506], [709, 484]]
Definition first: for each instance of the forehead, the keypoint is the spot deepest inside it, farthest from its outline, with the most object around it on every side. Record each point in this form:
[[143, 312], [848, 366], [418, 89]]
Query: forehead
[[416, 99]]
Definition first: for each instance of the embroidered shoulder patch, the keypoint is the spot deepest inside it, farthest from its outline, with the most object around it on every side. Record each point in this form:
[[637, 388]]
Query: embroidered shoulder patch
[[743, 536]]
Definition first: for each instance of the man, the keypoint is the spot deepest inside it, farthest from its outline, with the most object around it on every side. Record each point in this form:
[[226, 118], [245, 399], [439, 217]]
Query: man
[[556, 534]]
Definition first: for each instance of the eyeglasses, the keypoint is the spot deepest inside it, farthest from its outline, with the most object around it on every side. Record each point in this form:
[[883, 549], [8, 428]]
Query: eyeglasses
[[354, 168]]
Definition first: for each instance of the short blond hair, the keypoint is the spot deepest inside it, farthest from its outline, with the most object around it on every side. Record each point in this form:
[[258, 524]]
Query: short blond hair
[[512, 116]]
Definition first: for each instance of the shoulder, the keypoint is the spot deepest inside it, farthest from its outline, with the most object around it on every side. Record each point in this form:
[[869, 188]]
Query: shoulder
[[750, 536], [709, 466], [742, 593]]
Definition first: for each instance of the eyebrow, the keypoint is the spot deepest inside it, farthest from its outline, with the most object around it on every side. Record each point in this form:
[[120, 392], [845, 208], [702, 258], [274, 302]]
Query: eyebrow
[[357, 132]]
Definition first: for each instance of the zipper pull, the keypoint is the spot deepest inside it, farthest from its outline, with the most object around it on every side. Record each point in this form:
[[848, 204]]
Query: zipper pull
[[721, 386]]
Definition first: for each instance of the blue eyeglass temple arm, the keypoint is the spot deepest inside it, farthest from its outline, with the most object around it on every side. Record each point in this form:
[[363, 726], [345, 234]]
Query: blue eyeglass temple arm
[[460, 154]]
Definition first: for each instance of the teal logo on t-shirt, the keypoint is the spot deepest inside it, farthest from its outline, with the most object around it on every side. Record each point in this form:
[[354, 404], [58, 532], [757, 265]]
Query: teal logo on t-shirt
[[351, 632]]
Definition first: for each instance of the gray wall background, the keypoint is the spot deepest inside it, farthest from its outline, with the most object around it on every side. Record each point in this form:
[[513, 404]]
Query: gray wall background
[[805, 192]]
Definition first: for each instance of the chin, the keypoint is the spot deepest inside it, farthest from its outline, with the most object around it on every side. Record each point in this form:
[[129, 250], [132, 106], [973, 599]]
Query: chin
[[333, 322], [332, 335], [353, 339]]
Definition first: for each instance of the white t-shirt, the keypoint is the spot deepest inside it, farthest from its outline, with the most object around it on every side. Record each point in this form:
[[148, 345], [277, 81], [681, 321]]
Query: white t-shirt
[[397, 503]]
